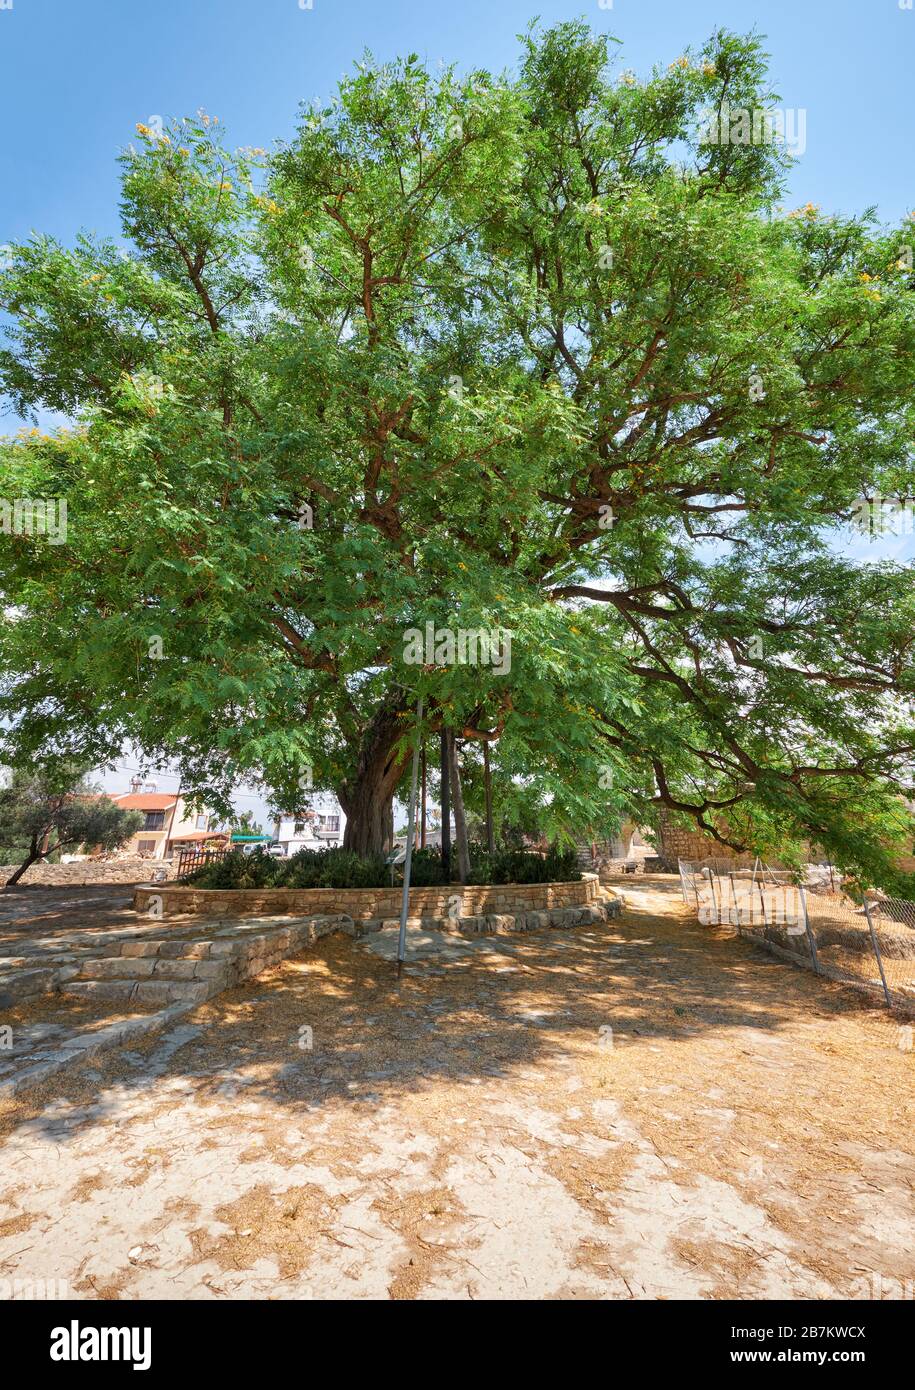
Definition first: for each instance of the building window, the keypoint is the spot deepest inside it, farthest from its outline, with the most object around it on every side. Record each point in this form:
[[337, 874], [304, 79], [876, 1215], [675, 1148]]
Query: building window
[[202, 822], [146, 846], [155, 820], [300, 827]]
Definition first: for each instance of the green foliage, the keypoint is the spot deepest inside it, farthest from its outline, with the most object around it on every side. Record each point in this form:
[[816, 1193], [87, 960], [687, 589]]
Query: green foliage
[[426, 869], [238, 870], [493, 337], [46, 811], [557, 865], [335, 868], [243, 823], [340, 868]]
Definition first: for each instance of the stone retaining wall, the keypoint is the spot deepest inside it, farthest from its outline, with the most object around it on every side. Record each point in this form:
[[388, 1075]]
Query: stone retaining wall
[[367, 904], [86, 872]]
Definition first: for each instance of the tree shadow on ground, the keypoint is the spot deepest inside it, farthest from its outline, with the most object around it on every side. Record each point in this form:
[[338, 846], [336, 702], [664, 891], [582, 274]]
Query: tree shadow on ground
[[333, 1026], [37, 911]]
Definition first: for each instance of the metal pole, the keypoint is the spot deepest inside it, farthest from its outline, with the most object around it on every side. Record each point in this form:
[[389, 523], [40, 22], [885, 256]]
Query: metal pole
[[411, 822], [446, 808], [867, 913], [811, 940]]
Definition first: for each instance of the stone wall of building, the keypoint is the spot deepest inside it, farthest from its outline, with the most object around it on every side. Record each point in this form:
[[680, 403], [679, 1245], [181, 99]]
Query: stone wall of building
[[676, 842]]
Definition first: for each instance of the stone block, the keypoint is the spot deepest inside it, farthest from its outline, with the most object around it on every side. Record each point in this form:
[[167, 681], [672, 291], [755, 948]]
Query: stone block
[[117, 968], [122, 990], [175, 969], [23, 983], [195, 950], [134, 949], [211, 970], [171, 950], [180, 991], [153, 991]]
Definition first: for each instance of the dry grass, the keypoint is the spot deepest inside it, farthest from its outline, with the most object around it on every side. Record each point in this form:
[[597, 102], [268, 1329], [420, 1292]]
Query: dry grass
[[727, 1067]]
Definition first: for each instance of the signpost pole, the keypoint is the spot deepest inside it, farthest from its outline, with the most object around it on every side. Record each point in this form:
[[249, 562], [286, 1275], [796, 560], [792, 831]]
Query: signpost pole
[[411, 819]]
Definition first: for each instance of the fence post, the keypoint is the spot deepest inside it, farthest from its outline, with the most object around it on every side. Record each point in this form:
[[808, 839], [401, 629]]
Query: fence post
[[734, 898], [810, 937], [886, 992]]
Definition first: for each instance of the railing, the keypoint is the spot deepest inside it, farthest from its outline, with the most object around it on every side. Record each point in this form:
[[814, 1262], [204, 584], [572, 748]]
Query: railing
[[190, 860], [869, 944]]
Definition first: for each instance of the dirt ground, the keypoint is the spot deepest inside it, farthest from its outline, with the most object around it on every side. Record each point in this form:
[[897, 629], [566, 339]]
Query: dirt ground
[[649, 1109]]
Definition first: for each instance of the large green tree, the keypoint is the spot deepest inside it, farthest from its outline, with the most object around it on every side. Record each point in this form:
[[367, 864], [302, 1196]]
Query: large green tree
[[521, 353]]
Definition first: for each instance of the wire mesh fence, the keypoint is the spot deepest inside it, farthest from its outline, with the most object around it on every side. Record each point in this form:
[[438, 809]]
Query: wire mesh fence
[[870, 944]]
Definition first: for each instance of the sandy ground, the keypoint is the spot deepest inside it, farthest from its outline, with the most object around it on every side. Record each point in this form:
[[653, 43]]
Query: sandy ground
[[651, 1109]]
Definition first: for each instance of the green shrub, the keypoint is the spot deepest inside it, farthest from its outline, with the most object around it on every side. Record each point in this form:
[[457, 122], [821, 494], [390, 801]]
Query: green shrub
[[341, 868], [237, 870], [334, 868], [526, 866], [426, 868]]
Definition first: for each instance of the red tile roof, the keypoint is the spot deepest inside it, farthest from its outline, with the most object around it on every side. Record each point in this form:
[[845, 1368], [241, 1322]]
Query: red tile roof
[[144, 801]]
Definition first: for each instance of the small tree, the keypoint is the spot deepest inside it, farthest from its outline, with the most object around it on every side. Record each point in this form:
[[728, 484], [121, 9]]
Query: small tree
[[243, 823], [55, 811]]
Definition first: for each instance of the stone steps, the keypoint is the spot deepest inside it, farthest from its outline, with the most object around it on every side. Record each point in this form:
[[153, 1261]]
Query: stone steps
[[191, 970], [148, 979], [186, 967], [172, 975], [158, 993], [501, 923]]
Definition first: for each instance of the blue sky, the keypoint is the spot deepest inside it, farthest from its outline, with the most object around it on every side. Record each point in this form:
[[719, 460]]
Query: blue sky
[[77, 77]]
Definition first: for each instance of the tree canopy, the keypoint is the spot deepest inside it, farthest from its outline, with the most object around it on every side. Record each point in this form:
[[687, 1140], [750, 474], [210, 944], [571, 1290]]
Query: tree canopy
[[518, 354]]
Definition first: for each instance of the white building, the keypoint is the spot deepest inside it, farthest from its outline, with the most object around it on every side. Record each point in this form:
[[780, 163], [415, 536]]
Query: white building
[[170, 825], [316, 828]]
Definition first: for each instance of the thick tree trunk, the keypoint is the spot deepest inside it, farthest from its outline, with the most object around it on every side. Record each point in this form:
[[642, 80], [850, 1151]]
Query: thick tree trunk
[[34, 854], [460, 821], [368, 799]]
